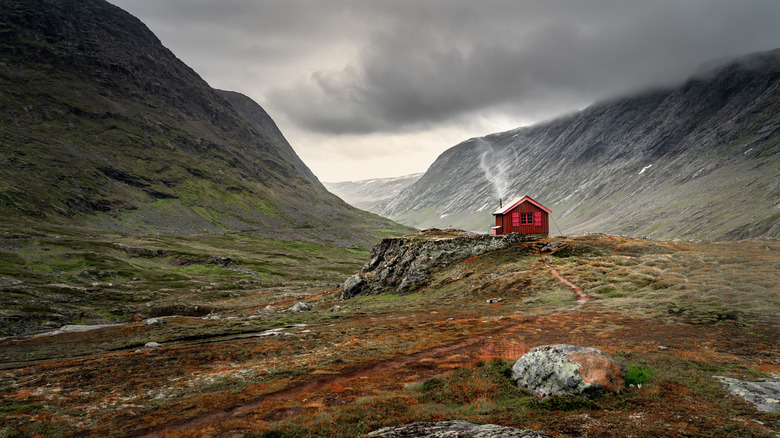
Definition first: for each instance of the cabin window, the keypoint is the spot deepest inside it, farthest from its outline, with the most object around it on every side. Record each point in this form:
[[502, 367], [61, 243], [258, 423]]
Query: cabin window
[[515, 219], [526, 218]]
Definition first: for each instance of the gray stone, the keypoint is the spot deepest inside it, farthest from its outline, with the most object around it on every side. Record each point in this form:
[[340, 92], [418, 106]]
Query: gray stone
[[301, 307], [454, 429], [155, 321], [335, 309], [764, 393], [352, 286], [152, 345], [267, 309], [568, 369], [550, 247]]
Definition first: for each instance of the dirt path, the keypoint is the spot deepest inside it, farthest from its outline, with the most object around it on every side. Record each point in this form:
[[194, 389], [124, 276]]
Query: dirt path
[[581, 297]]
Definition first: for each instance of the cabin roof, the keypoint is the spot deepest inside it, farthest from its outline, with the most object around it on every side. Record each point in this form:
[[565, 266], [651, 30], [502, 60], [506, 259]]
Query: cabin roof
[[517, 201]]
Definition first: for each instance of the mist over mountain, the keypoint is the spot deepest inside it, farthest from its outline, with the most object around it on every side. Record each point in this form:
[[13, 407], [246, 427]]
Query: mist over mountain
[[701, 160], [371, 194], [103, 126]]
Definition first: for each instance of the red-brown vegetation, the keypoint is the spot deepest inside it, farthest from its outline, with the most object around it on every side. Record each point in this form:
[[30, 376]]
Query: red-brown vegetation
[[363, 368]]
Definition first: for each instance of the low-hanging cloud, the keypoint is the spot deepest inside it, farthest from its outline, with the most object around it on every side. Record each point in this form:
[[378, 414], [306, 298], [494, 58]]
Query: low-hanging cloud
[[350, 79], [535, 61]]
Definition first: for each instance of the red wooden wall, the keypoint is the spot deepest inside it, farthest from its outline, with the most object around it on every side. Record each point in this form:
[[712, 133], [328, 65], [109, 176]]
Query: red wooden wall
[[539, 225]]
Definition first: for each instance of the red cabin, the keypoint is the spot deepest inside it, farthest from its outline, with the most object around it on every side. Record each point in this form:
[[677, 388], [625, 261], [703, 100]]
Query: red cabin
[[523, 215]]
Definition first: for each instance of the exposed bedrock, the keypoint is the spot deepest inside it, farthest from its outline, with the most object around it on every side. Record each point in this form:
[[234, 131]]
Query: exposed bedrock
[[404, 263]]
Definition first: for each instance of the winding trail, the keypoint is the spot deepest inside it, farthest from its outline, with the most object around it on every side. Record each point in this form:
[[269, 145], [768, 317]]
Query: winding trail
[[578, 292]]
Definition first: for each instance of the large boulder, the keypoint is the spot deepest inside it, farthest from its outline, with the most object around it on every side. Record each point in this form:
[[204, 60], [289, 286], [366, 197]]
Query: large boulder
[[568, 369], [453, 429]]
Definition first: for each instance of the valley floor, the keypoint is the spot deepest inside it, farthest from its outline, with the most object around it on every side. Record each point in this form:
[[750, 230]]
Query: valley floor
[[676, 313]]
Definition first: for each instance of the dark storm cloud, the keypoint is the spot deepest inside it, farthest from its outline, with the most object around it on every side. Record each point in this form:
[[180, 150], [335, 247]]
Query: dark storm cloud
[[430, 62], [356, 66]]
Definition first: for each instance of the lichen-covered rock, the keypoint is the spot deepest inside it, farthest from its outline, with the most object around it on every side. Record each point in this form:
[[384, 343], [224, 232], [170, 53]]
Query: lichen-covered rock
[[568, 369], [453, 429], [764, 393]]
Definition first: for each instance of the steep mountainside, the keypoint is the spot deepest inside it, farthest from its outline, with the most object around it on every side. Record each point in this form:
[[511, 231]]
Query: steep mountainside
[[372, 194], [698, 161], [103, 126]]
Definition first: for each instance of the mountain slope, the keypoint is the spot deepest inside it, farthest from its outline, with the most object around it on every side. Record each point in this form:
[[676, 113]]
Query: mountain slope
[[103, 126], [371, 194], [698, 161]]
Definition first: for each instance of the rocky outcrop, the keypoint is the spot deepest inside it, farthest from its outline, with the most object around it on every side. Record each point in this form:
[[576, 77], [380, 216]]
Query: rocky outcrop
[[453, 429], [404, 263], [764, 393], [568, 370]]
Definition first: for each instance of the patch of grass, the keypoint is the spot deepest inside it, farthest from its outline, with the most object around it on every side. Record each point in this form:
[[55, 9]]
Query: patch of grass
[[606, 289], [565, 403], [6, 408], [637, 375]]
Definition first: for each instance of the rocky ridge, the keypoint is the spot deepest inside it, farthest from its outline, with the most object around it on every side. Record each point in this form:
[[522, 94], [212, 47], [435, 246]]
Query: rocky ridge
[[701, 160]]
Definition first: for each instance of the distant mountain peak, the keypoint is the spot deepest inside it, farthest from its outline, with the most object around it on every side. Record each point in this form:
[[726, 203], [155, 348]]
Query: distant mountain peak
[[700, 160]]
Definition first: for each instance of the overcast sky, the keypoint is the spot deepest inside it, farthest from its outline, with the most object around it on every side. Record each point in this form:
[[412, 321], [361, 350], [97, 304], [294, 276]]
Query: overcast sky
[[377, 88]]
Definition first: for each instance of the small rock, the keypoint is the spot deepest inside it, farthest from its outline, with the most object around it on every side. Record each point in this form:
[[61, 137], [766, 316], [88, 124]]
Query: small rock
[[301, 307], [552, 246], [335, 309], [152, 345], [268, 309], [662, 348], [568, 369], [155, 321]]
